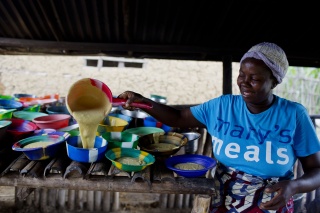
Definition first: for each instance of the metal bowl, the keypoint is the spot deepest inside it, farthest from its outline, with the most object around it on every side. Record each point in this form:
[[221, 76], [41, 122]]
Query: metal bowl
[[159, 99], [193, 139], [162, 144], [138, 117], [135, 113]]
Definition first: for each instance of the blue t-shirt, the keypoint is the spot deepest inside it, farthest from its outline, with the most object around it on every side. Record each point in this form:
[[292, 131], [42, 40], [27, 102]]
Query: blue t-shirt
[[266, 144]]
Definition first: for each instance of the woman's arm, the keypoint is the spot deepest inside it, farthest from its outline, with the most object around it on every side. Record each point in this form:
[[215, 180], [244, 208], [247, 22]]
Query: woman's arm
[[168, 115], [308, 182]]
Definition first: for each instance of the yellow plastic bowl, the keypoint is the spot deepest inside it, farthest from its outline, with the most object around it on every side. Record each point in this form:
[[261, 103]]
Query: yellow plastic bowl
[[111, 124]]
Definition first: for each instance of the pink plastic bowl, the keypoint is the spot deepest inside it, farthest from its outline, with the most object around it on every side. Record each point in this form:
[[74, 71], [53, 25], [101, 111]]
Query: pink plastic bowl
[[53, 121]]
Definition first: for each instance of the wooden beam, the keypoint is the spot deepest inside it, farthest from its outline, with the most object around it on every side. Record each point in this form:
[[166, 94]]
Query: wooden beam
[[119, 184]]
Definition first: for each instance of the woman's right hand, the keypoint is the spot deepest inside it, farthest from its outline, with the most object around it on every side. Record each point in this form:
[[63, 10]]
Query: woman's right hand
[[131, 97]]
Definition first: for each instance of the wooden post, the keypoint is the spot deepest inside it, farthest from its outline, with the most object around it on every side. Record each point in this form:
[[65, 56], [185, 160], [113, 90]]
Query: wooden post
[[201, 204]]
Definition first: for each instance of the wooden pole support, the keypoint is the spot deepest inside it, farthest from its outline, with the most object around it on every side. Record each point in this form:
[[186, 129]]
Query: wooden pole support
[[201, 204]]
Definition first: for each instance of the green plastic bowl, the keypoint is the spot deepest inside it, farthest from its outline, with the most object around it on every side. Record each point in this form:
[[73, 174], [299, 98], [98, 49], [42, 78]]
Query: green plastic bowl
[[6, 113], [114, 154], [121, 139], [26, 115], [32, 108], [145, 130]]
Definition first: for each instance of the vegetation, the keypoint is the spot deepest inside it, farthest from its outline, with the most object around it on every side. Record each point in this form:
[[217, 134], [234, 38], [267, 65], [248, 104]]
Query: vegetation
[[302, 85]]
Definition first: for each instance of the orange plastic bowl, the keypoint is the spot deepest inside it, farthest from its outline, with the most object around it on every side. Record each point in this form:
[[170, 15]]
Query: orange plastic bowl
[[53, 121]]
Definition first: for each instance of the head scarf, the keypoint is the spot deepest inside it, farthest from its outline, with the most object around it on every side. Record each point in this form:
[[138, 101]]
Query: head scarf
[[272, 55]]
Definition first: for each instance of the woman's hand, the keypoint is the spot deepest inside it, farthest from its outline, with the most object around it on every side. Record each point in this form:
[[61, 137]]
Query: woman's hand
[[131, 97], [284, 191]]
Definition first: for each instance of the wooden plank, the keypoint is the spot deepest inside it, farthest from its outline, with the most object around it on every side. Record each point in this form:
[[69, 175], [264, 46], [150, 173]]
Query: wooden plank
[[118, 184]]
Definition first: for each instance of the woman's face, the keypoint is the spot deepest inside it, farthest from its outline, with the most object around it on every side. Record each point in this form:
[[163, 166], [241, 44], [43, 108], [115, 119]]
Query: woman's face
[[255, 81]]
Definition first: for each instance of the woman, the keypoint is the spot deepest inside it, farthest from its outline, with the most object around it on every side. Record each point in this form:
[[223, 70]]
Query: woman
[[256, 137]]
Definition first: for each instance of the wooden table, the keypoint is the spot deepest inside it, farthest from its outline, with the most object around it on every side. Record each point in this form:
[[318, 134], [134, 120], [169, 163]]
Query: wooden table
[[61, 172]]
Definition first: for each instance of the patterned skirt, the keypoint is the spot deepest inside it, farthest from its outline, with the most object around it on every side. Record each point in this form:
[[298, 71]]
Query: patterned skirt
[[237, 191]]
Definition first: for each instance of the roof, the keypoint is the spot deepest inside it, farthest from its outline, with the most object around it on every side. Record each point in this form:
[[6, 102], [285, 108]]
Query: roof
[[164, 29]]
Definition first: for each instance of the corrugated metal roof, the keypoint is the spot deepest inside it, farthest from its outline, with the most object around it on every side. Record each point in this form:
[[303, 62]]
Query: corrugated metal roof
[[177, 29]]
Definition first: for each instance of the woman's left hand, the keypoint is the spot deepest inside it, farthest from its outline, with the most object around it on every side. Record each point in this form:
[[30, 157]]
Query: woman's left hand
[[284, 191]]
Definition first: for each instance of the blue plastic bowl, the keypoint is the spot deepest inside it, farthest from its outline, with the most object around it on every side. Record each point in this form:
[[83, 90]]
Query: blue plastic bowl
[[207, 162], [57, 110], [22, 95], [151, 122], [79, 154], [10, 104], [40, 153]]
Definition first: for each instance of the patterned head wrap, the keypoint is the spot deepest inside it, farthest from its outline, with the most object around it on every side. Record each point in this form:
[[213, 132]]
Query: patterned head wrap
[[272, 55]]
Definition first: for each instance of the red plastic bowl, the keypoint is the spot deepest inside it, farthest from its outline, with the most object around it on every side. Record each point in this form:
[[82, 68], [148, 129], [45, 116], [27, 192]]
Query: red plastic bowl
[[20, 128], [53, 121]]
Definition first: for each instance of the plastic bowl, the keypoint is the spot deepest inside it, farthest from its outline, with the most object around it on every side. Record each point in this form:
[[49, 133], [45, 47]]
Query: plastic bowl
[[166, 128], [20, 129], [40, 153], [32, 108], [121, 139], [4, 124], [124, 117], [151, 122], [145, 158], [113, 124], [7, 97], [53, 121], [153, 143], [26, 115], [61, 110], [141, 131], [6, 113], [206, 162], [57, 110], [10, 104], [20, 95], [79, 154]]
